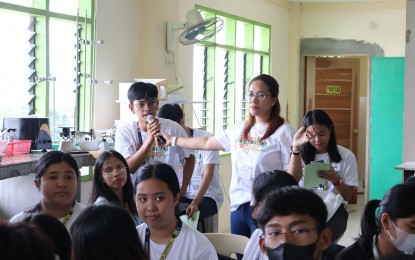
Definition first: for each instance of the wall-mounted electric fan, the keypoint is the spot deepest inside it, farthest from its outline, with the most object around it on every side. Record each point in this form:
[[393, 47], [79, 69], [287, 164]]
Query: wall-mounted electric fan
[[196, 29]]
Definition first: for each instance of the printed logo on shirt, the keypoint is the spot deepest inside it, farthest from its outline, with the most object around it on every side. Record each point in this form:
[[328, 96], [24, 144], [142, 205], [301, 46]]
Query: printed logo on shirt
[[157, 153], [198, 159], [253, 143]]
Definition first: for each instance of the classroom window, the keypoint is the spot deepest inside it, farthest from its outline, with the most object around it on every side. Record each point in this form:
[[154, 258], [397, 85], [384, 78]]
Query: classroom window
[[236, 54], [40, 72], [14, 64]]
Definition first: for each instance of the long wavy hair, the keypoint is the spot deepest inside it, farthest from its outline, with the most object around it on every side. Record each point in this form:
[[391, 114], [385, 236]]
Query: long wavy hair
[[275, 120]]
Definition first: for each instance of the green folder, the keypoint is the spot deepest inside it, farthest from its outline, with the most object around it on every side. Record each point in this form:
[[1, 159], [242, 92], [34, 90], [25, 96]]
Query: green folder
[[311, 179], [192, 222]]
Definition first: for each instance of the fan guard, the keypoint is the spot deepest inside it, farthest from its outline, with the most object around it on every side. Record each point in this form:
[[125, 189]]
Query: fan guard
[[201, 32], [196, 29]]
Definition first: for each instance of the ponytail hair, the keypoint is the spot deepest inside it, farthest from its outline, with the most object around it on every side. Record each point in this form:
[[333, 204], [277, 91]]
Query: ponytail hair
[[369, 223], [397, 203]]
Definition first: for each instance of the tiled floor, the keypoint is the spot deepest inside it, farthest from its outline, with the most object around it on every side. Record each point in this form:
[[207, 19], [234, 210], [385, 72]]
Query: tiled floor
[[353, 223]]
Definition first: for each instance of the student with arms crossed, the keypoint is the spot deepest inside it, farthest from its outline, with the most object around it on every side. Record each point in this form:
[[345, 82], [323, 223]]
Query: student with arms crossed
[[162, 234], [56, 177], [136, 140], [204, 192], [293, 221], [257, 145]]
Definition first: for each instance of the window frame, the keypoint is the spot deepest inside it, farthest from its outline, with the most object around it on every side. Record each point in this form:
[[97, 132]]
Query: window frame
[[230, 109], [39, 105]]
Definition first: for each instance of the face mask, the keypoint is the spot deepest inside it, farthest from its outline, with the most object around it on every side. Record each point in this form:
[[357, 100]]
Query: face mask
[[289, 251], [405, 242]]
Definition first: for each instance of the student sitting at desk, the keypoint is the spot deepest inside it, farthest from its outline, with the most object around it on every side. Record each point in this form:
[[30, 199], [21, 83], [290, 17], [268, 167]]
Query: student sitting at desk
[[293, 221], [112, 183], [163, 235], [387, 226], [264, 184], [56, 177], [316, 141], [204, 192]]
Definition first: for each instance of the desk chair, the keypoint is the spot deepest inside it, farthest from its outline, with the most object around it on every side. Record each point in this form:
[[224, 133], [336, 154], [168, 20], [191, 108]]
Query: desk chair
[[227, 244]]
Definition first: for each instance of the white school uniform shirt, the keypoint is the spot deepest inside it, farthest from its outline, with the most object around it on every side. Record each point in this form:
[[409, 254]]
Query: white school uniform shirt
[[77, 210], [214, 190], [345, 169], [252, 250], [126, 141], [251, 158], [190, 244]]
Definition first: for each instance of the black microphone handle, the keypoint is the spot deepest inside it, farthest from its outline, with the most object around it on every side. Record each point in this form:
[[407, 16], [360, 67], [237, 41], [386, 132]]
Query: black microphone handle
[[161, 139]]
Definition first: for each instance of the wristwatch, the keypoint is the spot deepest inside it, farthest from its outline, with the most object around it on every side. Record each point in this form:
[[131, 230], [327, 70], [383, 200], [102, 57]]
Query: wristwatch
[[295, 152]]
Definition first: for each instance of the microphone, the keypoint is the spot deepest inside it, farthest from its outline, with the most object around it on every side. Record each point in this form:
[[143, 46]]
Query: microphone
[[160, 138]]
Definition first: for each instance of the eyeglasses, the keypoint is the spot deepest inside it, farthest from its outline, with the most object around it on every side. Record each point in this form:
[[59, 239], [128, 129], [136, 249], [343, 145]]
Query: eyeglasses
[[152, 103], [259, 95], [110, 171], [296, 236]]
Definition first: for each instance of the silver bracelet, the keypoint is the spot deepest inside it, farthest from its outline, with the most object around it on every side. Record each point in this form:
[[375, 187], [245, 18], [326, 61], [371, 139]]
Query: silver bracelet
[[173, 141]]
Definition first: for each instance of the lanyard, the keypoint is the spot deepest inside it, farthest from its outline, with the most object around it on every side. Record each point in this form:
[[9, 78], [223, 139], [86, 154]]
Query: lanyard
[[140, 137], [69, 215], [166, 251]]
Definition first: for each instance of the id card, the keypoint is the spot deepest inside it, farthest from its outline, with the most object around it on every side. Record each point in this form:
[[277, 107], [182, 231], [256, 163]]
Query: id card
[[244, 170]]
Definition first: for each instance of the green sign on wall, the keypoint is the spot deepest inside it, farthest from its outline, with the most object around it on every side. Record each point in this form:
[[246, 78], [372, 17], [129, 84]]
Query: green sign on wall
[[333, 89]]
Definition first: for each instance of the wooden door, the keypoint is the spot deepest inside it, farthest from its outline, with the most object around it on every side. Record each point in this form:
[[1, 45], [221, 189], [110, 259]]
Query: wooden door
[[331, 85]]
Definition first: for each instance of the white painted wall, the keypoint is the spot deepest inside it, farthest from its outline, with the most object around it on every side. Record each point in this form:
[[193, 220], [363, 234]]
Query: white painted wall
[[371, 23]]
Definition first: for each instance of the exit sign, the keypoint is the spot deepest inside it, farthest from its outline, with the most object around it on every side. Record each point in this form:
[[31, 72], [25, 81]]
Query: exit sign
[[333, 90]]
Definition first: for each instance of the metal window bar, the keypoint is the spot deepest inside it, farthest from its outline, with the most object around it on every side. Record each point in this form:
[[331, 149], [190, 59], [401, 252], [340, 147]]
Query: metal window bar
[[205, 81], [244, 80], [77, 69], [225, 91], [261, 62], [31, 65]]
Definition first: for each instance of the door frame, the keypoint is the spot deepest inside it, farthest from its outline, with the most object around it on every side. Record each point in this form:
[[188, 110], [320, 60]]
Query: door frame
[[354, 62], [336, 47]]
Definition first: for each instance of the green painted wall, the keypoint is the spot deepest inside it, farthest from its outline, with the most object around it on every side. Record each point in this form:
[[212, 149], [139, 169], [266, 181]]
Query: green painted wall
[[386, 124]]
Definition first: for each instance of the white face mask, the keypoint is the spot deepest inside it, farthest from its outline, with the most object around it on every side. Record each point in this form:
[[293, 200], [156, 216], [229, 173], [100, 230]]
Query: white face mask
[[405, 242]]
